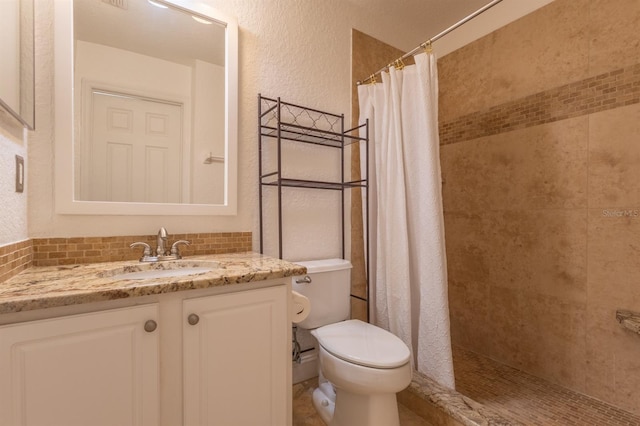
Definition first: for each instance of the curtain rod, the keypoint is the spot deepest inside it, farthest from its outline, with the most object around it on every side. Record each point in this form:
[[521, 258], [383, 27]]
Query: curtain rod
[[427, 44]]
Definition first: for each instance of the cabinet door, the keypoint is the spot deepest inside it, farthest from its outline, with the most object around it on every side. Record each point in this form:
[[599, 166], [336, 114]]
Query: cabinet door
[[236, 358], [91, 369]]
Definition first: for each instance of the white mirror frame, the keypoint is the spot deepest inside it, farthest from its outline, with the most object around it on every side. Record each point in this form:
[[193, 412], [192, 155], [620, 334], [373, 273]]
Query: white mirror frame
[[64, 127], [22, 108]]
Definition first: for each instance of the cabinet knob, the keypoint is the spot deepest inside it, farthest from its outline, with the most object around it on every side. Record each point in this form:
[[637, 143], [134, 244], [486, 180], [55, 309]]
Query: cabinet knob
[[193, 319], [150, 326]]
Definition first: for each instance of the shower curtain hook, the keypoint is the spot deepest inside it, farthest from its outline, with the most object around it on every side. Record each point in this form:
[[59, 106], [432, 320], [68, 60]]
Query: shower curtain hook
[[427, 46]]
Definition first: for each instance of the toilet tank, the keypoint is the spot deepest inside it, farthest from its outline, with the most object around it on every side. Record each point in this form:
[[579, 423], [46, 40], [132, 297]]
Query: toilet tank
[[328, 291]]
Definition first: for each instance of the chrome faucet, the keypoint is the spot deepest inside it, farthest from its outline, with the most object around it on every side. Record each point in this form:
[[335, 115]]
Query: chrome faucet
[[162, 240], [161, 251]]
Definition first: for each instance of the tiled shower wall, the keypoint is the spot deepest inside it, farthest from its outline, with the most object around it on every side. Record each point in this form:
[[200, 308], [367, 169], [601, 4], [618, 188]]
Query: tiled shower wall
[[540, 134]]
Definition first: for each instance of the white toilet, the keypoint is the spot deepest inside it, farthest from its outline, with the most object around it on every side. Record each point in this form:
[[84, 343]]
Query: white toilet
[[362, 366]]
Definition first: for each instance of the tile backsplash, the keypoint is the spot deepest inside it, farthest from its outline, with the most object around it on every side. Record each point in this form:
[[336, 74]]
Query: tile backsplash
[[17, 257]]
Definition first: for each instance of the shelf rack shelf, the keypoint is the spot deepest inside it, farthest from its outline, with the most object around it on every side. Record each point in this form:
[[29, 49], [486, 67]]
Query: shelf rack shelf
[[298, 133], [281, 122]]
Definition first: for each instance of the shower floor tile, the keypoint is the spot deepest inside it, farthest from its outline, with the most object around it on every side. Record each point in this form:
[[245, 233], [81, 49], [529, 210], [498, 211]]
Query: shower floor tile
[[304, 414], [526, 399]]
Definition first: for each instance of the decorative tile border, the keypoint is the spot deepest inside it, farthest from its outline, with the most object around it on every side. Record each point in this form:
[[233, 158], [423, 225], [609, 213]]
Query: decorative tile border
[[15, 258], [603, 92], [67, 251]]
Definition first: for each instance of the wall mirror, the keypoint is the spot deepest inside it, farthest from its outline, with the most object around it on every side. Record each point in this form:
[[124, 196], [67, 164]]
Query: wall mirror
[[146, 108], [17, 63]]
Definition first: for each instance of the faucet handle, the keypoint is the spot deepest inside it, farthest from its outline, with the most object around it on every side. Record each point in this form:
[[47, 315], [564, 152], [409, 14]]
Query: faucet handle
[[175, 251], [147, 249]]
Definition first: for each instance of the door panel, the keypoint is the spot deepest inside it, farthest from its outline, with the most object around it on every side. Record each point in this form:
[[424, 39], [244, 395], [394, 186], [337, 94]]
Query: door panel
[[128, 130], [236, 359], [98, 369]]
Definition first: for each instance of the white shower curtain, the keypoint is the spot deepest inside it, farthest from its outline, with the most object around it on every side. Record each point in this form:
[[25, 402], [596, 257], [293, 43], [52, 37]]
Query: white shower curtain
[[408, 263]]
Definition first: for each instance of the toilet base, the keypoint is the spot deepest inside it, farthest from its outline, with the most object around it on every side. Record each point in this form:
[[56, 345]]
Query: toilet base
[[324, 400], [353, 409]]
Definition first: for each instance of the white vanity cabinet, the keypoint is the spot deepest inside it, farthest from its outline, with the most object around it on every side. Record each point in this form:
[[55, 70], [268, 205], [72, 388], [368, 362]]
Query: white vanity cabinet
[[96, 369], [236, 359], [219, 356]]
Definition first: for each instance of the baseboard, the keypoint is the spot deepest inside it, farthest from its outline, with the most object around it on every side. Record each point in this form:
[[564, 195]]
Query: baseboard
[[307, 368]]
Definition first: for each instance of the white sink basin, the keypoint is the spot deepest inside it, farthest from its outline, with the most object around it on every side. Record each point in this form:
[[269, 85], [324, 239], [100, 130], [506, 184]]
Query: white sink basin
[[146, 271], [161, 273]]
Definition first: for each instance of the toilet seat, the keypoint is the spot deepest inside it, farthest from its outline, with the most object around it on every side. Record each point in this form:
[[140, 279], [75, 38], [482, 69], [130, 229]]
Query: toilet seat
[[363, 344]]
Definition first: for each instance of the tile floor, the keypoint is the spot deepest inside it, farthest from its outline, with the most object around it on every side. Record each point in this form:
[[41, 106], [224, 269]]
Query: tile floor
[[518, 397], [305, 415], [523, 398]]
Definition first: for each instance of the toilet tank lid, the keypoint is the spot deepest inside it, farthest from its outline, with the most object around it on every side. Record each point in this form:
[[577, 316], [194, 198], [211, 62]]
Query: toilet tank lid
[[324, 265]]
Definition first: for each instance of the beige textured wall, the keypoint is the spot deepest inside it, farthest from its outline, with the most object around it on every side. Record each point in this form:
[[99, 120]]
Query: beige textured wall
[[539, 123], [13, 214], [298, 51]]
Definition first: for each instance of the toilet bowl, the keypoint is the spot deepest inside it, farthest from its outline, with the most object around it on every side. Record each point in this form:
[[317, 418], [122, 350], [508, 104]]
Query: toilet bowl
[[367, 366], [362, 366]]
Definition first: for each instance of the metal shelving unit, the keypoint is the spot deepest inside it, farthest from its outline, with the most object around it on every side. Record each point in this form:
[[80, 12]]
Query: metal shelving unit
[[281, 122]]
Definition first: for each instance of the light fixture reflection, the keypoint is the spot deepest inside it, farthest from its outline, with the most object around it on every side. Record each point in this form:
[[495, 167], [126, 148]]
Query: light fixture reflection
[[156, 4], [202, 21]]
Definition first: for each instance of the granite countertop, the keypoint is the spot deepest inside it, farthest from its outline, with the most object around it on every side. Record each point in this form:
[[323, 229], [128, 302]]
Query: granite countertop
[[51, 286], [629, 320]]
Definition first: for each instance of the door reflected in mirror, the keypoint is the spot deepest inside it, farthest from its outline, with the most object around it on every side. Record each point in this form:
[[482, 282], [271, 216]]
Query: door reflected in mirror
[[150, 104]]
